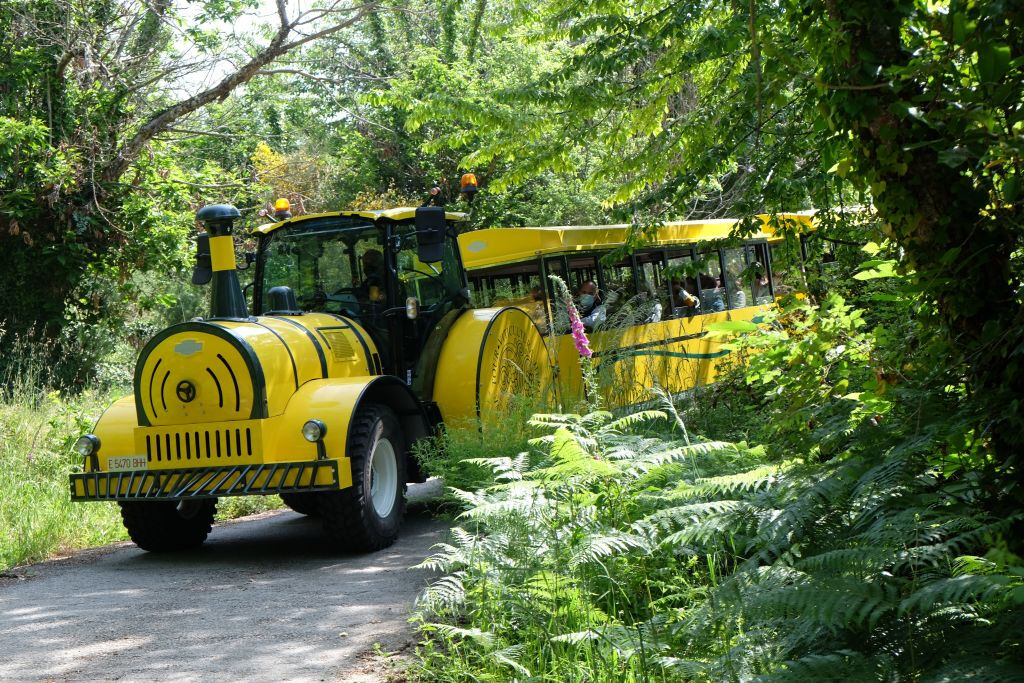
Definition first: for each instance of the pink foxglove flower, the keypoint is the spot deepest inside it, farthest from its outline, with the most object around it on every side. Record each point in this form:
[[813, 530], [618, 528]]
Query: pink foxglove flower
[[579, 333]]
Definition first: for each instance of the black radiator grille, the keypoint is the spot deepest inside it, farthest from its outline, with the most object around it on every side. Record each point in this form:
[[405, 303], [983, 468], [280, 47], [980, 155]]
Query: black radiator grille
[[204, 444]]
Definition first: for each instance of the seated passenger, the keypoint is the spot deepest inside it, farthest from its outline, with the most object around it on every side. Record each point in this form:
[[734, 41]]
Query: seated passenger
[[592, 311], [536, 309], [651, 307], [738, 296], [684, 294], [372, 288], [762, 293], [710, 295]]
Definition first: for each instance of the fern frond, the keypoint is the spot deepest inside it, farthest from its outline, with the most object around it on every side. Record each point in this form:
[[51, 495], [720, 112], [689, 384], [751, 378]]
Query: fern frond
[[958, 589], [482, 638], [509, 657], [595, 547], [841, 665], [633, 419], [448, 592]]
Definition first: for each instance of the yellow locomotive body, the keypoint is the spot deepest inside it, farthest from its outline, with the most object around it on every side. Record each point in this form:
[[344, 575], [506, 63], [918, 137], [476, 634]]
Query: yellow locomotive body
[[219, 406]]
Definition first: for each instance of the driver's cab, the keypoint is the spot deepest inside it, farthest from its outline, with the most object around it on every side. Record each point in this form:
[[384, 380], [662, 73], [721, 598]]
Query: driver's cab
[[362, 265]]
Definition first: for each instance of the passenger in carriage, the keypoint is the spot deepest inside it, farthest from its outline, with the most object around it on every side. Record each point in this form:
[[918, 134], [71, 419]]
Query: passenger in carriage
[[535, 308], [710, 295], [593, 311], [684, 294]]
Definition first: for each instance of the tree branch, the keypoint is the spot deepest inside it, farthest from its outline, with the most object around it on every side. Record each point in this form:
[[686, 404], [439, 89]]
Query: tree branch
[[163, 119]]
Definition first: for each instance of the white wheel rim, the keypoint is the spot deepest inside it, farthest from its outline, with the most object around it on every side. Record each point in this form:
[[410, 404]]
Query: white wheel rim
[[383, 477]]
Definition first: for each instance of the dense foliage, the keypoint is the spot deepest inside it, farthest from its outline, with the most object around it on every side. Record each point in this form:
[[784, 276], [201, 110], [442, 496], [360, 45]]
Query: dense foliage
[[852, 548]]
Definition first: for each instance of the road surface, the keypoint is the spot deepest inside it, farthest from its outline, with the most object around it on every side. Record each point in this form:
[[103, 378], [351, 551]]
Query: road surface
[[262, 599]]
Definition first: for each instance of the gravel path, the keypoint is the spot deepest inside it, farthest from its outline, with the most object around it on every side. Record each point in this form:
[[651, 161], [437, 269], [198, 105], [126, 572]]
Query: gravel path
[[262, 599]]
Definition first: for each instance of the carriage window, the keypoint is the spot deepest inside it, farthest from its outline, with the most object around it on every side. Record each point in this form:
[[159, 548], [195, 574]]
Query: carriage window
[[735, 276], [619, 286], [709, 280], [510, 285], [555, 266], [786, 275], [582, 269], [682, 283], [653, 288], [588, 291], [757, 264]]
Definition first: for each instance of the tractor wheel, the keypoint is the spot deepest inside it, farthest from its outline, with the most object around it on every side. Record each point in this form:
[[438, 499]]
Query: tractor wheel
[[168, 525], [303, 503], [367, 515]]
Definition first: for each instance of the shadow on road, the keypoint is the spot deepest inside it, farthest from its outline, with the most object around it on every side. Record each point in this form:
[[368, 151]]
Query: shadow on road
[[263, 599]]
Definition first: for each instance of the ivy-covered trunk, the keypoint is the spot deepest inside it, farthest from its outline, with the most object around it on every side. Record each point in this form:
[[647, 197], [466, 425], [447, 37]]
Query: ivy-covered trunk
[[937, 149]]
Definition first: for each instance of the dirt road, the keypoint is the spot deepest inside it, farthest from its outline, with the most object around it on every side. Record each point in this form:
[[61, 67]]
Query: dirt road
[[263, 599]]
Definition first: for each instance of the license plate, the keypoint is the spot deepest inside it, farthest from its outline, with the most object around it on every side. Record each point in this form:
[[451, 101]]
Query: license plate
[[121, 463]]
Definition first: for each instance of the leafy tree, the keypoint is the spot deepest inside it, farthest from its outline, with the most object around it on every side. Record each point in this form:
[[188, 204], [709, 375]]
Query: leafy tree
[[89, 191]]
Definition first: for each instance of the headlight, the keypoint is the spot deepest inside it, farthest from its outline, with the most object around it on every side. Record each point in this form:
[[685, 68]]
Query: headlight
[[313, 430], [87, 445]]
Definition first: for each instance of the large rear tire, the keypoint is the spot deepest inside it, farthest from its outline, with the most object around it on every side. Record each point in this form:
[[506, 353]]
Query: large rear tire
[[168, 525], [367, 515], [303, 503]]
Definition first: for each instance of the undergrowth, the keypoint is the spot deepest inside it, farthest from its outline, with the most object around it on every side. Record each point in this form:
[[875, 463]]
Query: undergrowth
[[860, 544], [37, 431]]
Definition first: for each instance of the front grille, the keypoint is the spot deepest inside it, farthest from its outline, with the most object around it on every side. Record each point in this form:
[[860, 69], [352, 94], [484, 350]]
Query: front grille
[[203, 444]]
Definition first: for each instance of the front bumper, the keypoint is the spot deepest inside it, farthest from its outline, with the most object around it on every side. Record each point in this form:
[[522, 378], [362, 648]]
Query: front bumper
[[207, 482]]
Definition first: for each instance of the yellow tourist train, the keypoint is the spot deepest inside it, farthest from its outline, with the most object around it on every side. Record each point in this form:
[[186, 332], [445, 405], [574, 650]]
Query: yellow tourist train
[[367, 330]]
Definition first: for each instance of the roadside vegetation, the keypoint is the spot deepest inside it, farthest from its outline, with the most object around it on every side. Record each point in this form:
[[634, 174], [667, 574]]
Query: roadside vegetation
[[847, 539], [844, 504]]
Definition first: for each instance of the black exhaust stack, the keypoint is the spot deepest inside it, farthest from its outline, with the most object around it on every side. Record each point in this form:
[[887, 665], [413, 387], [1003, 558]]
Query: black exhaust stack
[[226, 297]]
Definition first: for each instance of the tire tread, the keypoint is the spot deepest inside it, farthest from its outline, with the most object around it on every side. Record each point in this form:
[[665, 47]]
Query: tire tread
[[155, 526], [344, 512]]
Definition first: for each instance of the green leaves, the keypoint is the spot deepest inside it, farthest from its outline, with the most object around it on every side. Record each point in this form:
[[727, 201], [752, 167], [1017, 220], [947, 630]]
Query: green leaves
[[875, 269], [992, 61]]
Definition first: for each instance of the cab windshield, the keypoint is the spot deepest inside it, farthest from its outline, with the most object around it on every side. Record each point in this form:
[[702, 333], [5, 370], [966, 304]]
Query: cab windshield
[[333, 265], [342, 265]]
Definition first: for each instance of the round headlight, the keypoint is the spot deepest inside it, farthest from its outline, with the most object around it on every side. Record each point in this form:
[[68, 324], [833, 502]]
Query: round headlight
[[313, 430], [87, 445]]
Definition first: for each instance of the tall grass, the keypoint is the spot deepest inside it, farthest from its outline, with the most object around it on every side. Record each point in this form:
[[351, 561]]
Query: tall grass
[[36, 514]]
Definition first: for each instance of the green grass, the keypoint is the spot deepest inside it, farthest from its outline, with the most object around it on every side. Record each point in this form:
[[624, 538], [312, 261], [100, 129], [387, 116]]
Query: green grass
[[36, 513]]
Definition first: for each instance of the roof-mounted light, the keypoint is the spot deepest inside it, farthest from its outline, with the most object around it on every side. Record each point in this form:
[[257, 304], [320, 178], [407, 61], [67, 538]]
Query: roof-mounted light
[[469, 186], [282, 209]]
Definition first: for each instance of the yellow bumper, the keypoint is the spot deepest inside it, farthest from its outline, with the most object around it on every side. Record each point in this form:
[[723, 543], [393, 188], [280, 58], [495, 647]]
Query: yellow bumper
[[207, 482]]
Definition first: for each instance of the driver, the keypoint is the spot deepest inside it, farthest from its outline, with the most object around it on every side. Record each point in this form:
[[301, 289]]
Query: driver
[[372, 286]]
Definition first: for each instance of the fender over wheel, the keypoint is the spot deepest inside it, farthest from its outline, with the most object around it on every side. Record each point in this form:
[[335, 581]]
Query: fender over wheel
[[368, 514], [168, 525]]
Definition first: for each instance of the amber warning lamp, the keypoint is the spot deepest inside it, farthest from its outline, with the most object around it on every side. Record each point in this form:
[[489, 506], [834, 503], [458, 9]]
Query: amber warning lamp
[[469, 186], [282, 209]]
